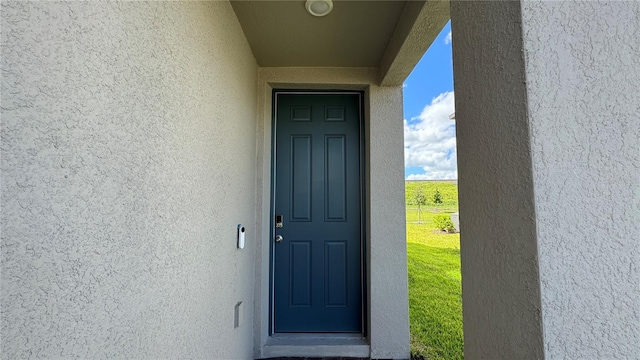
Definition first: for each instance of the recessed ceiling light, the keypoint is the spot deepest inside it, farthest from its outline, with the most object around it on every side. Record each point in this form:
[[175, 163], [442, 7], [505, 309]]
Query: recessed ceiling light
[[319, 7]]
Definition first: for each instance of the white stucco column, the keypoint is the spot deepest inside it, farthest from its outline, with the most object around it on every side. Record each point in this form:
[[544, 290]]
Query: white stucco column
[[387, 247], [549, 163]]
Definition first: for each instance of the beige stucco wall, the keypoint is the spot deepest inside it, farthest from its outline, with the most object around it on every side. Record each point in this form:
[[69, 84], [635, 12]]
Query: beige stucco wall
[[498, 244], [128, 159], [583, 76], [387, 297]]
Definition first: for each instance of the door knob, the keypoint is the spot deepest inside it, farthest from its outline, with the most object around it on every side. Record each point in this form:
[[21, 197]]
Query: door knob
[[279, 238]]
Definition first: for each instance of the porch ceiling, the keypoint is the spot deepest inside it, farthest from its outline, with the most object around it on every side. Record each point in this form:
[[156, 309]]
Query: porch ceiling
[[389, 35]]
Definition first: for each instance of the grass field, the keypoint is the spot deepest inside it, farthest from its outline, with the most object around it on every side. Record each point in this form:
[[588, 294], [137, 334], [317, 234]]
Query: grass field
[[447, 189], [435, 296]]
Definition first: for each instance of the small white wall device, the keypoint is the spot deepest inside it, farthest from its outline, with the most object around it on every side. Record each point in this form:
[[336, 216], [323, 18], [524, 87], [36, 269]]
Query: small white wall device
[[240, 236]]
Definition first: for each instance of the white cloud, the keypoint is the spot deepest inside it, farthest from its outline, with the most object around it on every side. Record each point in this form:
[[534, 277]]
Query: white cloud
[[447, 39], [430, 140]]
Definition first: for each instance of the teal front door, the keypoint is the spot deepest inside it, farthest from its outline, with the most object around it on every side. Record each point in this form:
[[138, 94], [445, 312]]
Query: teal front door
[[317, 203]]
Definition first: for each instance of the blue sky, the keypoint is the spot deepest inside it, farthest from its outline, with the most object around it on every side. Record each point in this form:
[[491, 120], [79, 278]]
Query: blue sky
[[430, 144]]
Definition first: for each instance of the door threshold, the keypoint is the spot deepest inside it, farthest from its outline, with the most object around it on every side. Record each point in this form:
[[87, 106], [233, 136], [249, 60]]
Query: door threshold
[[316, 345]]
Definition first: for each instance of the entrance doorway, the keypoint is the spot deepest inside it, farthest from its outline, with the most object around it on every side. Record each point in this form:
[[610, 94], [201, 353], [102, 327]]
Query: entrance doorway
[[317, 260]]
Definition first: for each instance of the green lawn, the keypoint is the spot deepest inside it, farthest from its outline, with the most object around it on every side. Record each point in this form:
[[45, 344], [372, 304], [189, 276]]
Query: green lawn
[[435, 302]]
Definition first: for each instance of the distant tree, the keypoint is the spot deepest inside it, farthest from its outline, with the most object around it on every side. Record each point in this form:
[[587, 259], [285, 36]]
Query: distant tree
[[437, 197], [419, 199]]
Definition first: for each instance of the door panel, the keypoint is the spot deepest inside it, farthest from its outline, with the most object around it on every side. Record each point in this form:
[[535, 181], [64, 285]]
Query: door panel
[[317, 268]]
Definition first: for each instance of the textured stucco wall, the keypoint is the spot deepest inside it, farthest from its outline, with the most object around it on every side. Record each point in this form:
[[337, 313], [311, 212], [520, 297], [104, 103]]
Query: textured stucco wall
[[388, 315], [387, 250], [583, 76], [128, 158], [500, 283]]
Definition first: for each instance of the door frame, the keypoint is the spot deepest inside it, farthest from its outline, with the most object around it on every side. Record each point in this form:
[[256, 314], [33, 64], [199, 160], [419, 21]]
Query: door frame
[[362, 197]]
